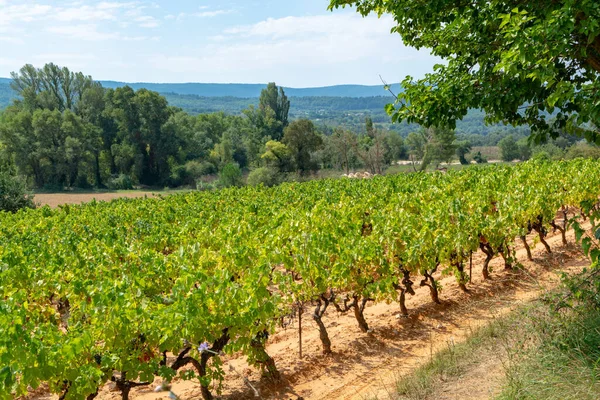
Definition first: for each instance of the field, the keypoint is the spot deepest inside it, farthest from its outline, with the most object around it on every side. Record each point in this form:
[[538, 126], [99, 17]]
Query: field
[[204, 290], [56, 199]]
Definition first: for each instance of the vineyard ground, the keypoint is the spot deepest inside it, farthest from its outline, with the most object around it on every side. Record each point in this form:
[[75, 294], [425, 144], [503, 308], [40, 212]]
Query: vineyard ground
[[367, 366]]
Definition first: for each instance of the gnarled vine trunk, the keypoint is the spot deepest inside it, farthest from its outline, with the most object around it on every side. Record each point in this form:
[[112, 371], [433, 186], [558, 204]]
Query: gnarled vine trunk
[[489, 255], [527, 248], [322, 304], [359, 313], [430, 282], [263, 358]]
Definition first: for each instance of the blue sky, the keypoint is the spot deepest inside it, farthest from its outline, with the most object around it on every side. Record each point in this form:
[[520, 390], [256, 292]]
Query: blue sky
[[295, 43]]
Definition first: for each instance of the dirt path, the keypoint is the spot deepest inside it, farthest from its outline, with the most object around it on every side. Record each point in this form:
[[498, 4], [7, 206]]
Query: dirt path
[[366, 366], [482, 381]]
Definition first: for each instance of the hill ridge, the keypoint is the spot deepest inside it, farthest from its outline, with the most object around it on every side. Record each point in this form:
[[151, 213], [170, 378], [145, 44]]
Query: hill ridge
[[248, 90]]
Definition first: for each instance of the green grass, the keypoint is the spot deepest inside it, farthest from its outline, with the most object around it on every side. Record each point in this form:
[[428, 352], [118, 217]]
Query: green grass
[[545, 355], [452, 362], [559, 359]]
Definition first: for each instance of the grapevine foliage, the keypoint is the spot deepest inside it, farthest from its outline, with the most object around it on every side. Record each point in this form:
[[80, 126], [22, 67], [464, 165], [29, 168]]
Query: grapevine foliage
[[105, 291]]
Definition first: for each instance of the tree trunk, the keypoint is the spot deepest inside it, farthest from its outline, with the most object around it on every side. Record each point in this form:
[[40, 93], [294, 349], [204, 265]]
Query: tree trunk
[[527, 248], [593, 59], [562, 231], [407, 287], [461, 277], [92, 396], [359, 310], [505, 253], [264, 359], [538, 226], [318, 317], [542, 236], [97, 170], [403, 309], [433, 290], [489, 255], [217, 347]]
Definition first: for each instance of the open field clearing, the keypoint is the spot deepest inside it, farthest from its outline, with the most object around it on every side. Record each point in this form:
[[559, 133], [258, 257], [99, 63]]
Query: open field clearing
[[56, 199]]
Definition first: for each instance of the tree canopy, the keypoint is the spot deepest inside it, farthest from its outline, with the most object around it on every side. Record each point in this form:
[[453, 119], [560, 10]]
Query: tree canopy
[[523, 62]]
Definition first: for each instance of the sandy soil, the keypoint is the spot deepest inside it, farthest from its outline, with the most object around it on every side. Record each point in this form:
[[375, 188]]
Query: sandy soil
[[366, 366], [55, 199]]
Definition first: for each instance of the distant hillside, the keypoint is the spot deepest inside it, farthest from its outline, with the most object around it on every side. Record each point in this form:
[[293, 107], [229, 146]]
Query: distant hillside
[[252, 90], [299, 105], [6, 93], [326, 106]]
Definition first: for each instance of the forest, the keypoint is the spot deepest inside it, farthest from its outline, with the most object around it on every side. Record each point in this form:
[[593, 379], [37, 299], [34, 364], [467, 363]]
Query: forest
[[346, 106], [64, 130]]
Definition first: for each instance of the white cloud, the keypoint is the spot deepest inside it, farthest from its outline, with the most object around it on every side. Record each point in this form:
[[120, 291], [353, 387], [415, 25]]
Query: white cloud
[[343, 47], [90, 32], [211, 14], [146, 21], [10, 14]]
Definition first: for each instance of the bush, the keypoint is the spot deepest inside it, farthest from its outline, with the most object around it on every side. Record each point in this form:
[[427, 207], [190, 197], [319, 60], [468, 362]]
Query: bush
[[541, 156], [203, 185], [265, 176], [197, 169], [583, 150], [509, 148], [120, 182], [479, 158], [13, 193], [231, 175], [551, 150]]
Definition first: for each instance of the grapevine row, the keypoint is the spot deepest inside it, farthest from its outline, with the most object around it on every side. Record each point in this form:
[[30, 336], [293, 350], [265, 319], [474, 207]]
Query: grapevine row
[[132, 290]]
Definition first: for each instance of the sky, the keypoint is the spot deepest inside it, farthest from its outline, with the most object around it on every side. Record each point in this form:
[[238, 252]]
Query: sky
[[297, 43]]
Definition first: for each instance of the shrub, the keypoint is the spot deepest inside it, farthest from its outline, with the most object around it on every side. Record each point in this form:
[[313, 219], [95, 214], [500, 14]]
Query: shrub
[[13, 193], [509, 148], [583, 150], [265, 176], [197, 169], [551, 150], [541, 156], [120, 182], [479, 158], [231, 175]]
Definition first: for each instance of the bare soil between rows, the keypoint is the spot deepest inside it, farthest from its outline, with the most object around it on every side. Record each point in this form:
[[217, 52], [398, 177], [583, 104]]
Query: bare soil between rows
[[366, 366]]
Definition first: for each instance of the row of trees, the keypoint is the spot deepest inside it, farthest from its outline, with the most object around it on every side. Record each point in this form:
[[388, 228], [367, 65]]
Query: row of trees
[[67, 130]]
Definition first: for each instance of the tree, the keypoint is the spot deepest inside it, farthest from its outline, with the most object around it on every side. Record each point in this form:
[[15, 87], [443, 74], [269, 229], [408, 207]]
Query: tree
[[431, 145], [274, 98], [278, 156], [395, 147], [416, 147], [516, 60], [13, 191], [342, 141], [231, 176], [462, 149], [50, 87], [479, 158], [524, 149], [302, 139], [509, 149]]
